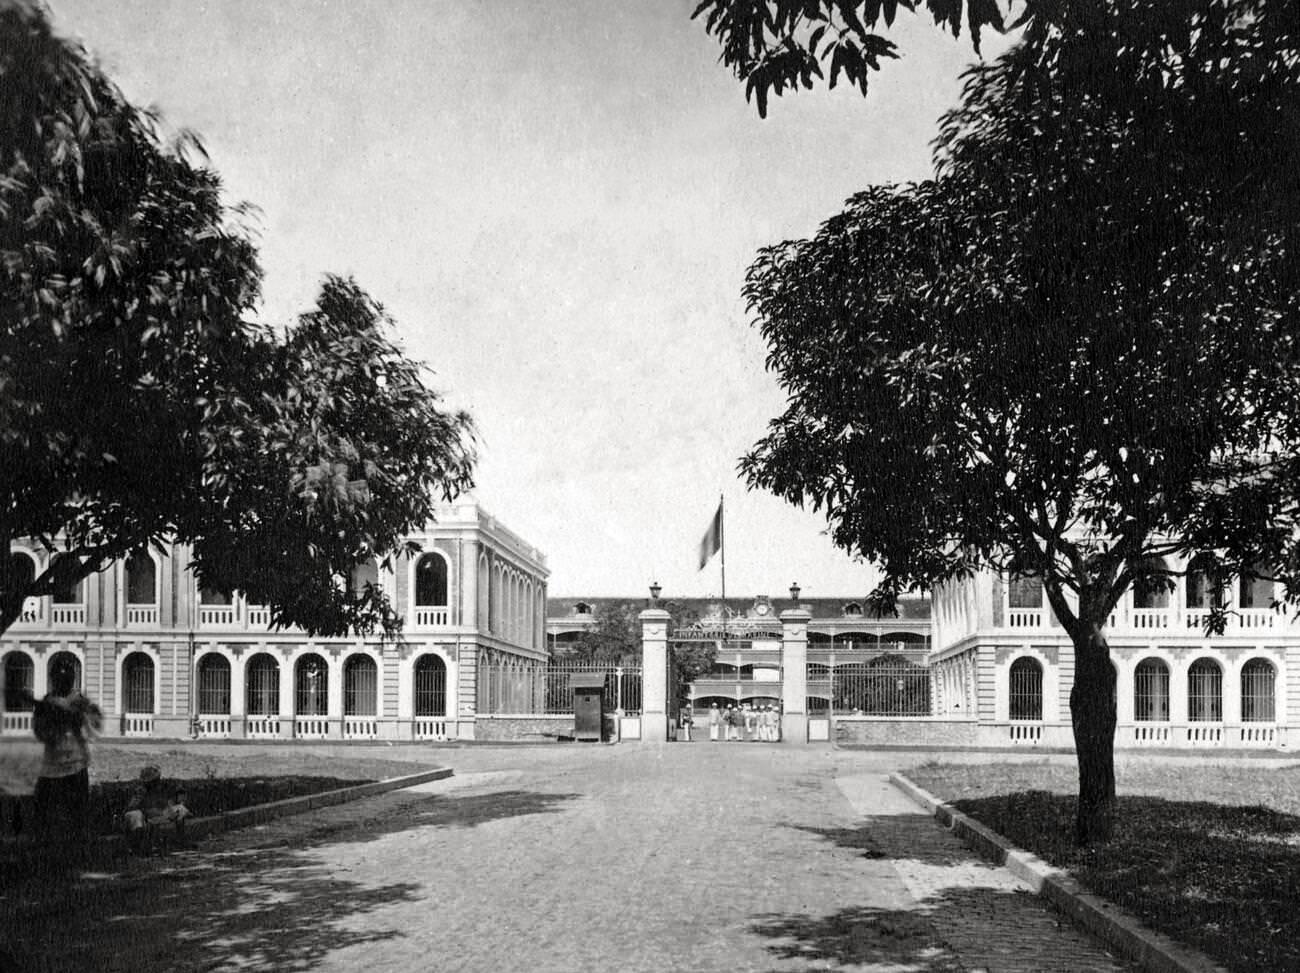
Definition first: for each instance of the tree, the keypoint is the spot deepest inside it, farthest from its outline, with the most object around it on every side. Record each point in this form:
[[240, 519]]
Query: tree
[[138, 402], [1072, 352], [615, 639], [775, 45]]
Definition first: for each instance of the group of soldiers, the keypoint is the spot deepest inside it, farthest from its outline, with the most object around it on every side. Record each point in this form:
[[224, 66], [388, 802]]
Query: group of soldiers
[[737, 722]]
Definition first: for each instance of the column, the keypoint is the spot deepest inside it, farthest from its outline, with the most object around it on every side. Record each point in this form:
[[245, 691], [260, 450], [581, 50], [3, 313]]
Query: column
[[654, 676], [794, 675]]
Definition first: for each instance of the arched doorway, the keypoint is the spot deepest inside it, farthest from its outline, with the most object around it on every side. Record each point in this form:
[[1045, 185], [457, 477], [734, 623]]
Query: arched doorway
[[311, 696], [138, 694], [360, 696], [214, 695], [430, 703]]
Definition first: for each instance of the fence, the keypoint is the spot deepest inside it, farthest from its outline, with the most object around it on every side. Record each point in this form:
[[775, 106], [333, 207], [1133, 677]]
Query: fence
[[885, 686], [547, 690]]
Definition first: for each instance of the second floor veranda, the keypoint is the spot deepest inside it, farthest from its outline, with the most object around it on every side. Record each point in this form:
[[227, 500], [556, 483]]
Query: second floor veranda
[[1179, 599]]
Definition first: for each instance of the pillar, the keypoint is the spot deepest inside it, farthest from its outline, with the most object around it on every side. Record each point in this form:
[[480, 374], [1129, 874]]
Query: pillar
[[654, 675], [794, 675]]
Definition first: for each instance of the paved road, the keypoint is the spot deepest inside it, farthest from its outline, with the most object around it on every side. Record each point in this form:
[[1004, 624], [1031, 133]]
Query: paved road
[[695, 858]]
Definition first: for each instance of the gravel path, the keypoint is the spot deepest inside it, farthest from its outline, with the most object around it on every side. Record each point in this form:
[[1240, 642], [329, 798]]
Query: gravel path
[[696, 858]]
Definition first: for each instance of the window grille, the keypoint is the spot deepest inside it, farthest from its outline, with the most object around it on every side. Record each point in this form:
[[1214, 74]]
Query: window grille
[[1204, 692], [214, 685], [262, 690], [430, 686], [137, 679], [311, 686], [1026, 690], [61, 658], [1258, 681], [20, 679], [141, 580], [1151, 691], [360, 686]]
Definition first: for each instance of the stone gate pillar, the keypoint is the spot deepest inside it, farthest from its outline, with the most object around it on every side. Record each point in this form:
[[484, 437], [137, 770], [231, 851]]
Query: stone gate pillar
[[654, 675], [794, 675]]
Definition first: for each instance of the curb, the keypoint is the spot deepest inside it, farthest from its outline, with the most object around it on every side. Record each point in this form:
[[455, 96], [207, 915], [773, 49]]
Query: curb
[[1120, 931], [261, 813]]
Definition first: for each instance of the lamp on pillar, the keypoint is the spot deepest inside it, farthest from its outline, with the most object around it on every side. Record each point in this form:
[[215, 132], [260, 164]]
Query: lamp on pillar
[[654, 593], [794, 593]]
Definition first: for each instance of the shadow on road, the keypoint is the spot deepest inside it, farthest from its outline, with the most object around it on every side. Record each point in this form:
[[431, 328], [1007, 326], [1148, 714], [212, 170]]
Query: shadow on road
[[859, 936], [255, 900], [404, 812]]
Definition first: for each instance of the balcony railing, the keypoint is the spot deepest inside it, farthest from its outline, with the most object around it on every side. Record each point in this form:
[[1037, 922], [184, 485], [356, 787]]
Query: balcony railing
[[216, 616], [68, 614], [142, 614], [427, 616], [1172, 620], [1026, 618]]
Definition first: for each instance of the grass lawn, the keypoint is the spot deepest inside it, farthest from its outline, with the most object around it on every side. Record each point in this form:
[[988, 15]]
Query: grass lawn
[[1207, 855], [215, 778]]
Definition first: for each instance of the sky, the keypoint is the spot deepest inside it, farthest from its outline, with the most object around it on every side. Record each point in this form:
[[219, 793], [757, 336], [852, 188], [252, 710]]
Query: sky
[[557, 203]]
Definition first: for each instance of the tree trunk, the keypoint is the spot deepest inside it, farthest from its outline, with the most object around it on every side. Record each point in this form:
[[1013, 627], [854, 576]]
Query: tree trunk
[[1092, 709]]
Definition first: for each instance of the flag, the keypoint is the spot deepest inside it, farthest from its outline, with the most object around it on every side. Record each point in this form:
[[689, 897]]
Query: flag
[[712, 538]]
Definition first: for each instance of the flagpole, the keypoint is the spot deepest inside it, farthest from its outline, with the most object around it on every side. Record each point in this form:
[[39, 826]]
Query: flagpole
[[722, 544]]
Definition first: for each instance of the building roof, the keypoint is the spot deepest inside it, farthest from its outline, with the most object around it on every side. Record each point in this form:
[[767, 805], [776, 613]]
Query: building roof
[[911, 608]]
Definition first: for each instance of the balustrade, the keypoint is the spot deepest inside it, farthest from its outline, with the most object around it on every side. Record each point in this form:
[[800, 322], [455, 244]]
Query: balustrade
[[430, 729], [426, 616]]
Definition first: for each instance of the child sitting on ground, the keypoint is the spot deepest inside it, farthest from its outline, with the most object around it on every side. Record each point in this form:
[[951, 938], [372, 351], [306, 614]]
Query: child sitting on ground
[[154, 804]]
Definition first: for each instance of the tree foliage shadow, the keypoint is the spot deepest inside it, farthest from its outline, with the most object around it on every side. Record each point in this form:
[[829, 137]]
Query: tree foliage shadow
[[856, 936], [890, 836], [398, 811], [252, 901], [1220, 878]]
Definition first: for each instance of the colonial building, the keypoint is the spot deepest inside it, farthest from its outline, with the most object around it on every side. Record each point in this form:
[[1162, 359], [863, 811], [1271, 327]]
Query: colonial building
[[746, 637], [166, 659], [1003, 667]]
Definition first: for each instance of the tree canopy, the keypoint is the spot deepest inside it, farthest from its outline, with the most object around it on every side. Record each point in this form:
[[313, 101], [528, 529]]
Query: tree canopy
[[140, 402], [1074, 348]]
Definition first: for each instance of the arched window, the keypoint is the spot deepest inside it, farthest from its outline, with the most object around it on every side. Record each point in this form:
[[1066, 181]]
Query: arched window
[[22, 569], [365, 573], [262, 686], [1258, 688], [853, 610], [1151, 691], [214, 685], [431, 581], [430, 686], [65, 658], [1206, 586], [137, 683], [582, 608], [1204, 692], [20, 682], [1026, 689], [1151, 586], [1024, 588], [1256, 590], [141, 580], [67, 593], [360, 686], [311, 686]]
